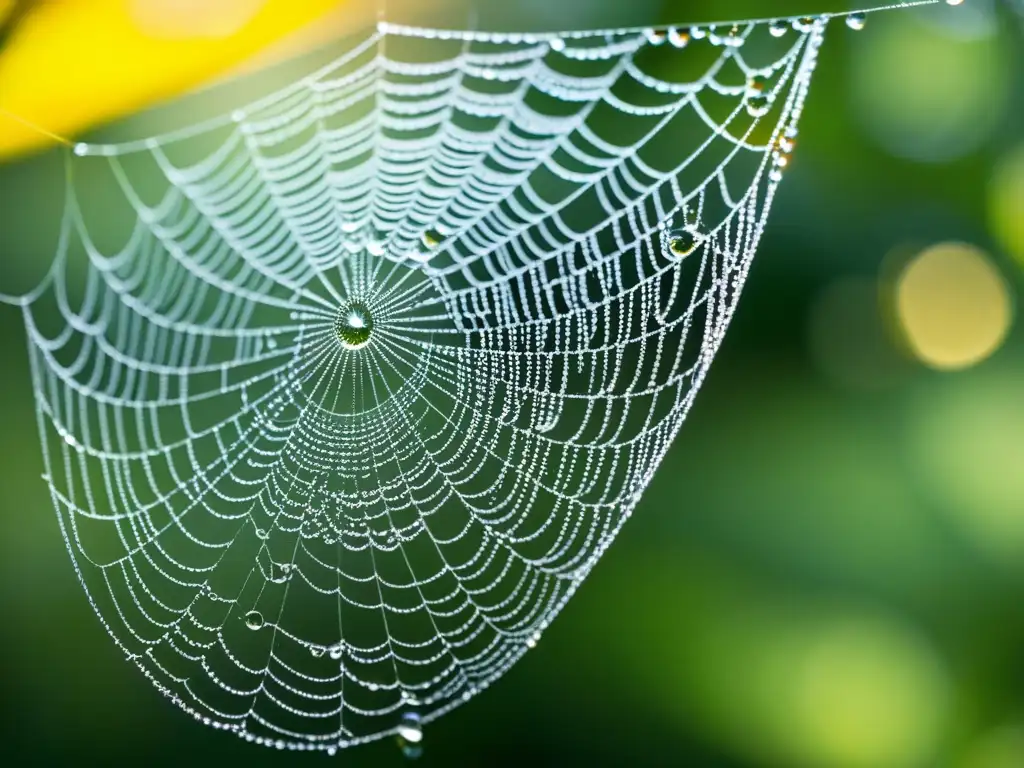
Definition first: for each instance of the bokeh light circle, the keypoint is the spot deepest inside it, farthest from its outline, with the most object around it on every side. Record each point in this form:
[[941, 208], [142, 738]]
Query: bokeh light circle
[[953, 306]]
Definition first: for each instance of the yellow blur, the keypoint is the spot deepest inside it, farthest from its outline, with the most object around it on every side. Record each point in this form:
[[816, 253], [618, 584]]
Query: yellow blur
[[71, 64], [954, 306]]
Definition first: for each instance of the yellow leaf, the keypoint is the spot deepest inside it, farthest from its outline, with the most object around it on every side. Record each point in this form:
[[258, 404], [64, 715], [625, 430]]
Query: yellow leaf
[[71, 64]]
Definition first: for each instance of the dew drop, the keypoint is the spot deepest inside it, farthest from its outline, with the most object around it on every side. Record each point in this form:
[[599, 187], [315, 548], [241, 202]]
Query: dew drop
[[81, 149], [734, 39], [337, 651], [260, 533], [353, 325], [697, 33], [375, 247], [679, 38], [757, 84], [778, 28], [682, 242], [254, 620], [803, 24], [656, 36], [332, 751], [758, 106], [856, 21], [349, 227], [410, 727], [316, 651], [432, 238], [557, 44]]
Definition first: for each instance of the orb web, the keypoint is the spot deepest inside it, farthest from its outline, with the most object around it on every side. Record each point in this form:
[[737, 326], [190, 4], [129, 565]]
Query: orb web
[[382, 362]]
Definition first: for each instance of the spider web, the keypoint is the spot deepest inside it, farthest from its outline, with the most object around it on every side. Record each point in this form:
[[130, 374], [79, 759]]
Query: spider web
[[535, 244]]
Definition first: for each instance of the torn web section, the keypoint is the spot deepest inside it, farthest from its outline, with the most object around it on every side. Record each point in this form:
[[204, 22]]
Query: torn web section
[[350, 389]]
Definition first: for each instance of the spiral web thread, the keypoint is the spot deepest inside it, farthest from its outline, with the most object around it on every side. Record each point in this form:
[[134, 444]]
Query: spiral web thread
[[312, 543]]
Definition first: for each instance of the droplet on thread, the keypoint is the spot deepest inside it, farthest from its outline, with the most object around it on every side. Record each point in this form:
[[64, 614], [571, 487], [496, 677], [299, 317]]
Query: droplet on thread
[[410, 727], [682, 242], [778, 28], [354, 325], [679, 38], [757, 84], [432, 238], [856, 21], [759, 105], [656, 36], [409, 735], [254, 620]]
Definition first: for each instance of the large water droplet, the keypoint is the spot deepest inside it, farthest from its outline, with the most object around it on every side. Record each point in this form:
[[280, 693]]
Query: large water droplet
[[354, 325], [758, 106], [409, 735], [432, 238], [682, 242], [410, 727], [856, 21], [254, 620], [778, 28]]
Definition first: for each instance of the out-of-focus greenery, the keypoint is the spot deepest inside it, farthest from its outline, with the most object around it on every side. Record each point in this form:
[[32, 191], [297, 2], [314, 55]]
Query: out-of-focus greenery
[[826, 572]]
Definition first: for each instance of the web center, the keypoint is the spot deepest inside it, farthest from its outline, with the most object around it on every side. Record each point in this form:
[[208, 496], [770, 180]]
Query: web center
[[354, 325]]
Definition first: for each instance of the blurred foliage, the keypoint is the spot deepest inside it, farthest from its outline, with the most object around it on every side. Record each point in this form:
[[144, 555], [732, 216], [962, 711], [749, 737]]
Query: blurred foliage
[[827, 570]]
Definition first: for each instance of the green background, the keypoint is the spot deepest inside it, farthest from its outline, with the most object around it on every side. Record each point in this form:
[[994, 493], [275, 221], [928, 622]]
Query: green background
[[828, 567]]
